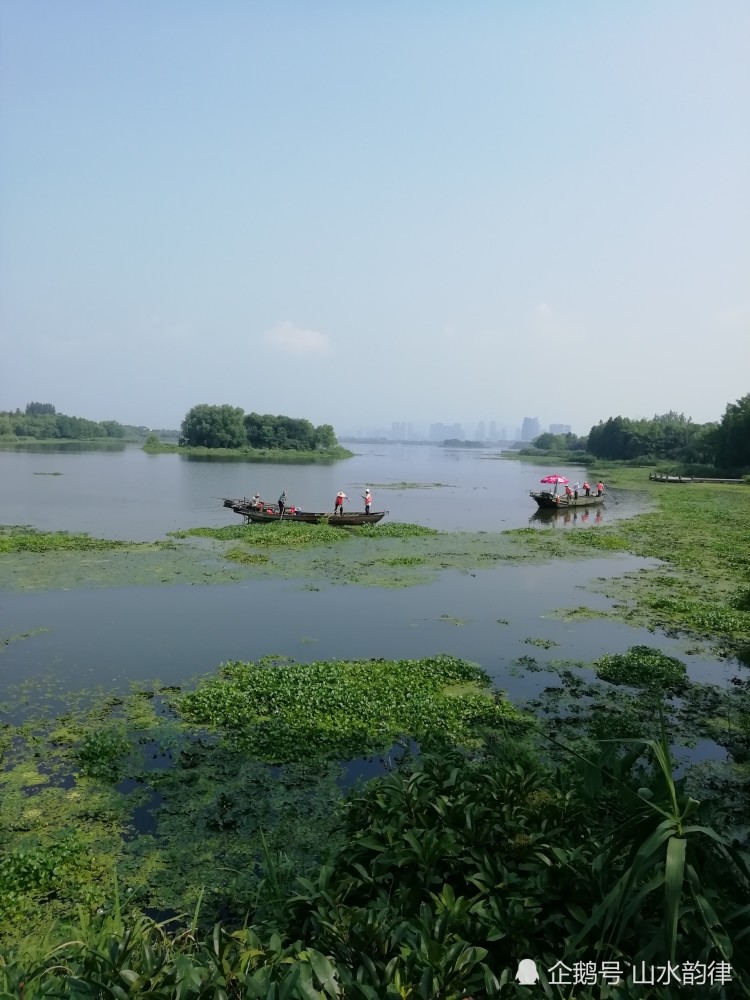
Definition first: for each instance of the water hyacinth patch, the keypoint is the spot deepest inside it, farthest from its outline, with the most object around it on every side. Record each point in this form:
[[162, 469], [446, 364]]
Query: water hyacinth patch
[[643, 667], [345, 708], [22, 538], [280, 534]]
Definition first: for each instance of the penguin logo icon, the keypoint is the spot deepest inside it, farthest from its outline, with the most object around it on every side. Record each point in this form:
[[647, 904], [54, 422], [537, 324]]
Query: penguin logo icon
[[527, 974]]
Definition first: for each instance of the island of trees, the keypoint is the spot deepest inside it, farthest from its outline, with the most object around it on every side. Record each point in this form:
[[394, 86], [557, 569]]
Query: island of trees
[[672, 437], [229, 428]]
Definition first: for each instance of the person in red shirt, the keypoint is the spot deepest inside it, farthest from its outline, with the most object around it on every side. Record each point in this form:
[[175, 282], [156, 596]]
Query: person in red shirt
[[600, 489], [587, 487], [367, 497], [568, 491], [338, 507]]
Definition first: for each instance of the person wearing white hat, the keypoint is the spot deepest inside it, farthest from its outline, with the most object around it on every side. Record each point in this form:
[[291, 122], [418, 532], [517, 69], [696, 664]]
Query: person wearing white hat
[[367, 497], [338, 507], [257, 502]]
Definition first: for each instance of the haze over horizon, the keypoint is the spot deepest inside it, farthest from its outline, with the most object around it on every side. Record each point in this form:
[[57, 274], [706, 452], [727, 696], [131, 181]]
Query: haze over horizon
[[430, 212]]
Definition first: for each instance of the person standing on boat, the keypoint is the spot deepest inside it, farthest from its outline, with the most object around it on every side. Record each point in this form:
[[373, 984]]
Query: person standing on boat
[[568, 492], [368, 500], [338, 507], [587, 487], [600, 489], [282, 502], [576, 488], [257, 502]]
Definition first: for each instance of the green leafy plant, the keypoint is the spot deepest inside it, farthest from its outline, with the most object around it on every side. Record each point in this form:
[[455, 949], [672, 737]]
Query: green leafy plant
[[101, 752], [643, 667], [344, 709]]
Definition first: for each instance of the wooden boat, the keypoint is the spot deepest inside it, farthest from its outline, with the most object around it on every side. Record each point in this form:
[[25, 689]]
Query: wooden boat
[[668, 479], [657, 478], [553, 501], [267, 515]]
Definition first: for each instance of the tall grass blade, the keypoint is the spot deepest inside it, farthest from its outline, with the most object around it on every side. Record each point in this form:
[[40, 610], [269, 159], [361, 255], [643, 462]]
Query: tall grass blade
[[674, 875]]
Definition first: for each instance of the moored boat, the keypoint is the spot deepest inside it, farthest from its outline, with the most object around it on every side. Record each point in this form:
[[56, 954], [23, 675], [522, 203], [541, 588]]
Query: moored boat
[[266, 515], [553, 501], [655, 478]]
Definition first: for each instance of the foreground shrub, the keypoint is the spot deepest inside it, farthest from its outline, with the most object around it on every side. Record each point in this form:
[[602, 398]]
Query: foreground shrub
[[453, 870]]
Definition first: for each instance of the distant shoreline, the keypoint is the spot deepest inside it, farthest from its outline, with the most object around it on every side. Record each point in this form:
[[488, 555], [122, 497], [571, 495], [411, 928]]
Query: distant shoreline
[[280, 455]]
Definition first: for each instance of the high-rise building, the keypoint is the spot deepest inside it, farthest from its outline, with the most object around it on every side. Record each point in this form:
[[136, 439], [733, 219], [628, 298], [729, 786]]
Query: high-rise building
[[559, 428], [492, 436], [442, 432], [530, 428], [480, 434]]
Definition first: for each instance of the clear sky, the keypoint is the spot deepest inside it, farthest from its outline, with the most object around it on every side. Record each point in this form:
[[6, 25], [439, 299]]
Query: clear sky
[[366, 212]]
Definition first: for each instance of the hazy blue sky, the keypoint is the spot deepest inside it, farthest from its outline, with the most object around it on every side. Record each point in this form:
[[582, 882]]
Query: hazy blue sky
[[362, 212]]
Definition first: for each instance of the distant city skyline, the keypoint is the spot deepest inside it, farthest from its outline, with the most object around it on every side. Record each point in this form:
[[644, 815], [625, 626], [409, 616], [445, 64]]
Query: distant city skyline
[[524, 429]]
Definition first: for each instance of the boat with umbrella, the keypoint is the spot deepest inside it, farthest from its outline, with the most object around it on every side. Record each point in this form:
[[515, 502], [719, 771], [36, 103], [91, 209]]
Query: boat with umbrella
[[551, 499]]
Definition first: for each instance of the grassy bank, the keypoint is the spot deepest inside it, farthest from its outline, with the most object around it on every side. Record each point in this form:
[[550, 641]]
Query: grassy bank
[[700, 533], [254, 454]]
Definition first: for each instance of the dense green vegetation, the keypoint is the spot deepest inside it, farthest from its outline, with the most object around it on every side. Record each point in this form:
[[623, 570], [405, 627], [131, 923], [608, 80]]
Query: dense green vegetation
[[22, 538], [291, 534], [62, 775], [344, 709], [441, 877], [669, 437], [230, 427], [40, 422]]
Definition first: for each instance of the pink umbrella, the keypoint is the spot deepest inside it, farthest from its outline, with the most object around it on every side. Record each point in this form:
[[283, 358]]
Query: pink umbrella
[[555, 480]]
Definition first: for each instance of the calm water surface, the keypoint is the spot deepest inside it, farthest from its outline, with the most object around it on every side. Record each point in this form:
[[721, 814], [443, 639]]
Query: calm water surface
[[131, 495], [111, 637]]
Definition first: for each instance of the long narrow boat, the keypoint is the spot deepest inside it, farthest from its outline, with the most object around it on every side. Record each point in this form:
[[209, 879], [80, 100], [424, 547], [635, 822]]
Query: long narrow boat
[[656, 477], [553, 501], [669, 479], [267, 515]]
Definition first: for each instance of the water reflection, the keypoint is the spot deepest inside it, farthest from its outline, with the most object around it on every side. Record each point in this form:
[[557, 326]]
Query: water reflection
[[582, 517], [62, 447], [253, 459], [119, 491]]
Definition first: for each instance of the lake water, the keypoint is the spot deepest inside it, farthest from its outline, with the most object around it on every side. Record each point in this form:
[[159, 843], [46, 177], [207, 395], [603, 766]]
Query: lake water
[[114, 636], [129, 494]]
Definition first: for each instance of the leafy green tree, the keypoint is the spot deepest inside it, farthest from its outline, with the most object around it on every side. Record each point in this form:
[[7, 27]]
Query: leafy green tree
[[214, 427], [551, 442], [112, 428], [288, 433], [325, 437], [39, 408], [733, 436]]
